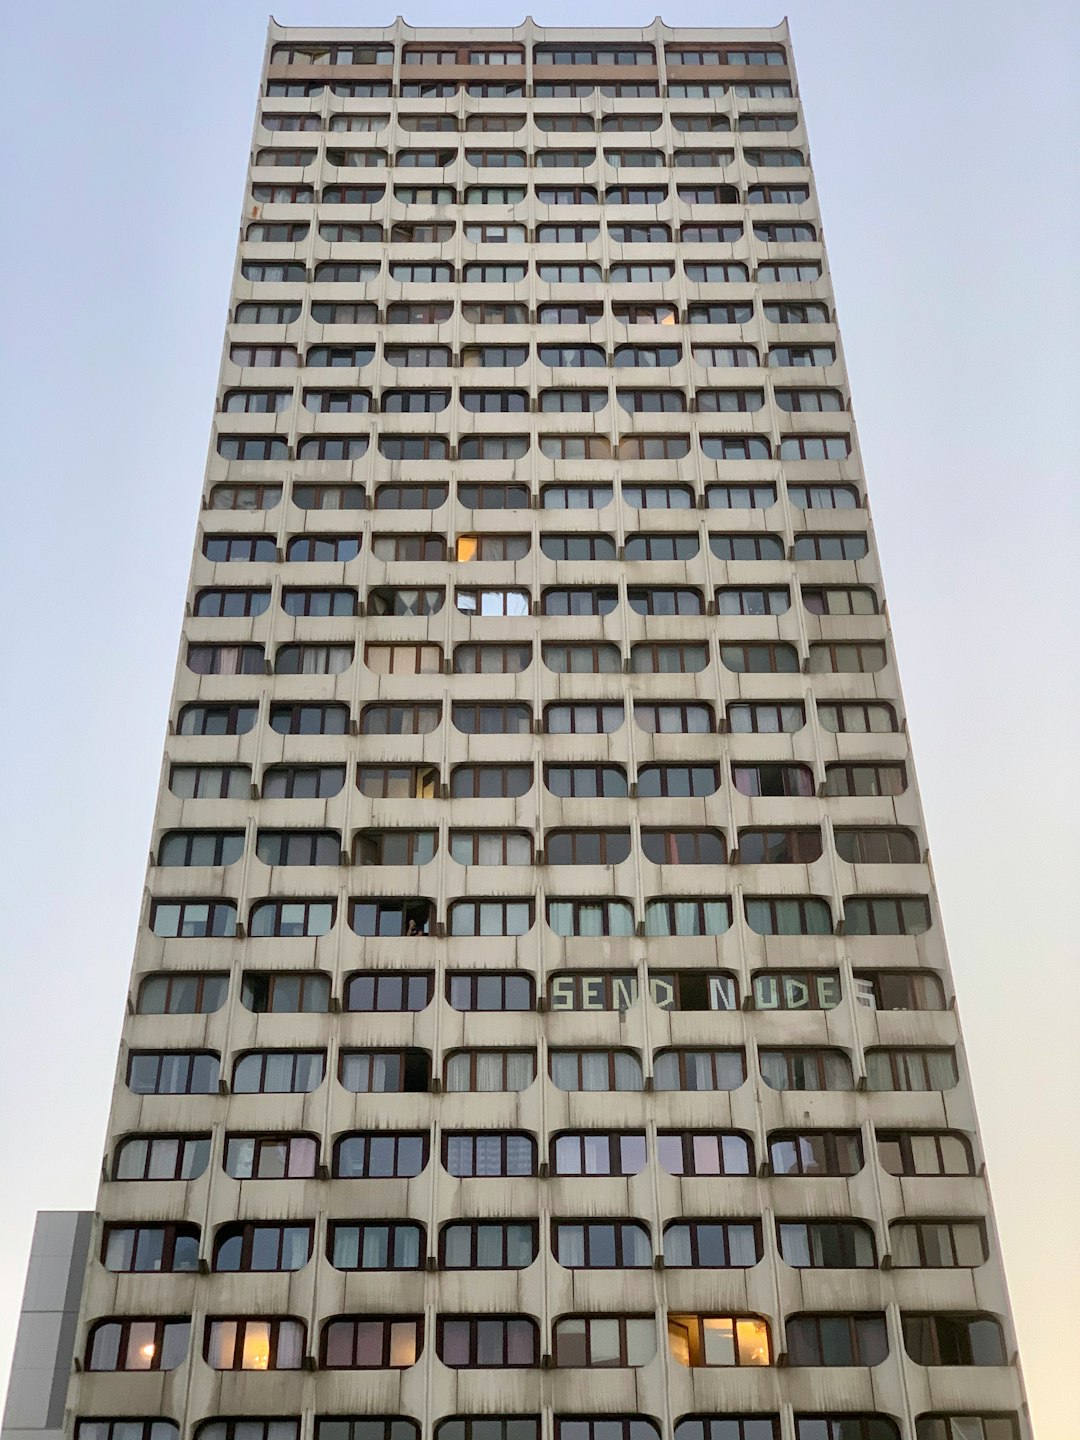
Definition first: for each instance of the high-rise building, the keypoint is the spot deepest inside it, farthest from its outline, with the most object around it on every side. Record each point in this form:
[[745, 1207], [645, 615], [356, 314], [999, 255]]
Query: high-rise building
[[540, 1026]]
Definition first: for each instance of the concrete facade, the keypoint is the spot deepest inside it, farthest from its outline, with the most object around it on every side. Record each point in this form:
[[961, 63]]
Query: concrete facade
[[805, 950], [48, 1321]]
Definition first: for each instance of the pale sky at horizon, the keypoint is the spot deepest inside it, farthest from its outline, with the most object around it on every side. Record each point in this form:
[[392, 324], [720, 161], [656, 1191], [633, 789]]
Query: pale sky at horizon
[[944, 139]]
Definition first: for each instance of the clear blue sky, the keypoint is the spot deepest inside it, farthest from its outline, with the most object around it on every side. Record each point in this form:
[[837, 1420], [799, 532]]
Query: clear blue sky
[[944, 138]]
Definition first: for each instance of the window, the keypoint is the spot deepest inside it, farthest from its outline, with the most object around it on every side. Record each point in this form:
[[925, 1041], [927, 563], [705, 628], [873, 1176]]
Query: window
[[485, 782], [601, 1244], [772, 779], [415, 447], [575, 497], [176, 993], [605, 1427], [806, 1069], [575, 447], [282, 992], [746, 546], [647, 357], [737, 447], [299, 847], [302, 782], [826, 1244], [490, 1245], [684, 847], [671, 546], [492, 719], [385, 1245], [582, 659], [313, 659], [854, 657], [291, 918], [730, 1427], [841, 718], [486, 1154], [677, 781], [490, 990], [493, 602], [674, 719], [387, 990], [763, 718], [372, 1342], [390, 600], [395, 847], [244, 497], [803, 915], [715, 272], [924, 1152], [328, 497], [603, 1341], [488, 1341], [712, 1244], [572, 917], [318, 602], [226, 659], [173, 1072], [760, 659], [491, 847], [779, 847], [271, 1157], [696, 916], [342, 357], [493, 497], [574, 1070], [583, 719], [380, 1155], [489, 1427], [796, 990], [159, 1249], [899, 990], [404, 659], [578, 546], [587, 847], [589, 782], [385, 1072], [866, 779], [729, 402], [814, 1153], [886, 915], [967, 1427], [278, 1072], [299, 718], [397, 782], [392, 918], [490, 917], [580, 600], [835, 1339], [161, 1157], [610, 990], [937, 1244], [911, 1070], [126, 1428], [829, 547], [261, 313], [201, 847], [718, 1340], [701, 1152], [594, 1152], [134, 1343], [491, 547], [840, 600], [953, 1339], [878, 845], [489, 1071], [699, 1069], [262, 1246]]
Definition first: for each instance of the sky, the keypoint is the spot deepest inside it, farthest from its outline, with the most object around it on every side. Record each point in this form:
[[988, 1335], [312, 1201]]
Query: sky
[[944, 143]]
